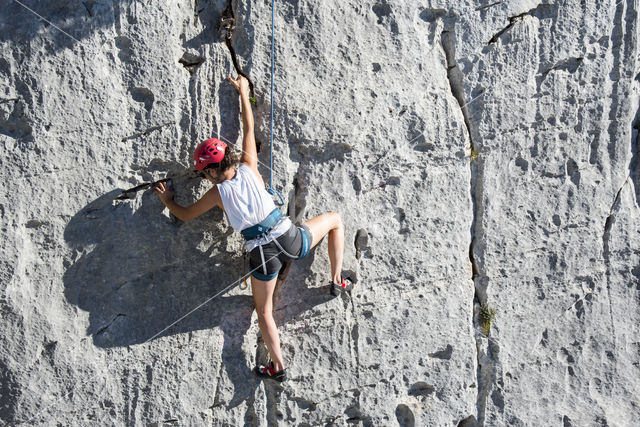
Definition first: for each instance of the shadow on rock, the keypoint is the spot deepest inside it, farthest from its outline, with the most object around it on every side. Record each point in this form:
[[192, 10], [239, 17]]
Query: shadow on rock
[[66, 23], [135, 272], [208, 16]]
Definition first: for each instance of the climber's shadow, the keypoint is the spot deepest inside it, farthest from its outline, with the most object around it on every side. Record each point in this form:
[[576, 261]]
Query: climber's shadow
[[67, 23], [136, 272]]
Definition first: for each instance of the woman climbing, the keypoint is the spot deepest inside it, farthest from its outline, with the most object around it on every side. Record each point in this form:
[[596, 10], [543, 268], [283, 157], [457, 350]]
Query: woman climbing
[[271, 239]]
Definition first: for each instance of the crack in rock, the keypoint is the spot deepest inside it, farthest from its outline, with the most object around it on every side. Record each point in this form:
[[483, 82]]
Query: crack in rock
[[489, 5], [146, 132], [488, 385], [485, 362], [515, 19], [126, 194], [225, 31], [634, 162], [606, 235], [455, 77], [196, 11], [609, 221], [570, 65], [191, 62], [88, 5], [104, 328], [129, 193]]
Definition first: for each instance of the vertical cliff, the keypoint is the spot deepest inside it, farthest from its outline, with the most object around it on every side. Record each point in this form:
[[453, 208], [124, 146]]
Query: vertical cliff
[[483, 156]]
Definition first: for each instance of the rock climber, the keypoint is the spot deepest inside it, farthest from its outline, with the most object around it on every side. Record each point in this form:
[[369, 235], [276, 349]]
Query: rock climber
[[271, 238]]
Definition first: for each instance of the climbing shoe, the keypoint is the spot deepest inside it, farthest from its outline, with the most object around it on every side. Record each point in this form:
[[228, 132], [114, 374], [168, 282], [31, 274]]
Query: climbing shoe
[[345, 286], [270, 373]]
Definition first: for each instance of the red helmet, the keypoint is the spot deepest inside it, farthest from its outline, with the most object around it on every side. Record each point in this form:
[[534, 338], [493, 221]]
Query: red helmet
[[209, 152]]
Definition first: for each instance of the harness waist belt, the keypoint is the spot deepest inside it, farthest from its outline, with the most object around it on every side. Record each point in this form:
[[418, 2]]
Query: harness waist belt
[[263, 227]]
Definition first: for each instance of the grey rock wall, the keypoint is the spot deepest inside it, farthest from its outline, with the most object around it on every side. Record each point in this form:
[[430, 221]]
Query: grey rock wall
[[480, 153]]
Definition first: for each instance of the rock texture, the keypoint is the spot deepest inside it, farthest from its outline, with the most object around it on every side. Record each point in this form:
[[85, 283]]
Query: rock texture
[[480, 153]]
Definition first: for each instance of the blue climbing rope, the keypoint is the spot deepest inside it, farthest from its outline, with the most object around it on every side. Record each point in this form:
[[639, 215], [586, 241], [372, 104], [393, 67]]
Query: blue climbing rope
[[273, 14], [273, 67]]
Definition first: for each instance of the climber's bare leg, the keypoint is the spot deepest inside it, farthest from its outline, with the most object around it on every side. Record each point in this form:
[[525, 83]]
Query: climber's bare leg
[[263, 301], [329, 223]]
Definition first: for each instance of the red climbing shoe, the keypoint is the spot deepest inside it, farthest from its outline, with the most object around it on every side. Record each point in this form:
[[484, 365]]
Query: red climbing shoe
[[345, 286], [270, 372]]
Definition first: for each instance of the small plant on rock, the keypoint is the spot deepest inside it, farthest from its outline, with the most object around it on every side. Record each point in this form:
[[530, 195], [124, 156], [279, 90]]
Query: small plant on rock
[[486, 316]]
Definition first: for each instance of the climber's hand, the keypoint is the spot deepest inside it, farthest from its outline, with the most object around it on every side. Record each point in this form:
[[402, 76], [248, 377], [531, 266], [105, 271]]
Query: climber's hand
[[162, 190], [240, 84]]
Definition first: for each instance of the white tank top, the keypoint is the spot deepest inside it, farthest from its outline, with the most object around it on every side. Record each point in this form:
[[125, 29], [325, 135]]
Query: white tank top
[[246, 202]]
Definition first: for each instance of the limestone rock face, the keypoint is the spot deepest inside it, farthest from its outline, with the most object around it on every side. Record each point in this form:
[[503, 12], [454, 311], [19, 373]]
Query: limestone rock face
[[483, 157]]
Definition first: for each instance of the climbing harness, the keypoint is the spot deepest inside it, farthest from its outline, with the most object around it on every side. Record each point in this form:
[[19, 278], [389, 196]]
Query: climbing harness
[[263, 227], [262, 230], [269, 238]]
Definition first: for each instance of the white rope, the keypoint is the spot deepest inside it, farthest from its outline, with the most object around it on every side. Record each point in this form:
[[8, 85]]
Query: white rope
[[210, 299], [45, 20]]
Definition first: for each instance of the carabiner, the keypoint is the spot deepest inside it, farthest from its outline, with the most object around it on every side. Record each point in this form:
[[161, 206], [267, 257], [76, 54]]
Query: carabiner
[[274, 193]]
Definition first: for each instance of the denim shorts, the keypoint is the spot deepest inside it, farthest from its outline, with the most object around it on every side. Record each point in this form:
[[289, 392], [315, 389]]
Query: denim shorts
[[296, 241]]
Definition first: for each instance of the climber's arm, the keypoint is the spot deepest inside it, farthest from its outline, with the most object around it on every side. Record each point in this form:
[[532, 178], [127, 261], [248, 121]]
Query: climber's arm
[[249, 151], [207, 202]]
